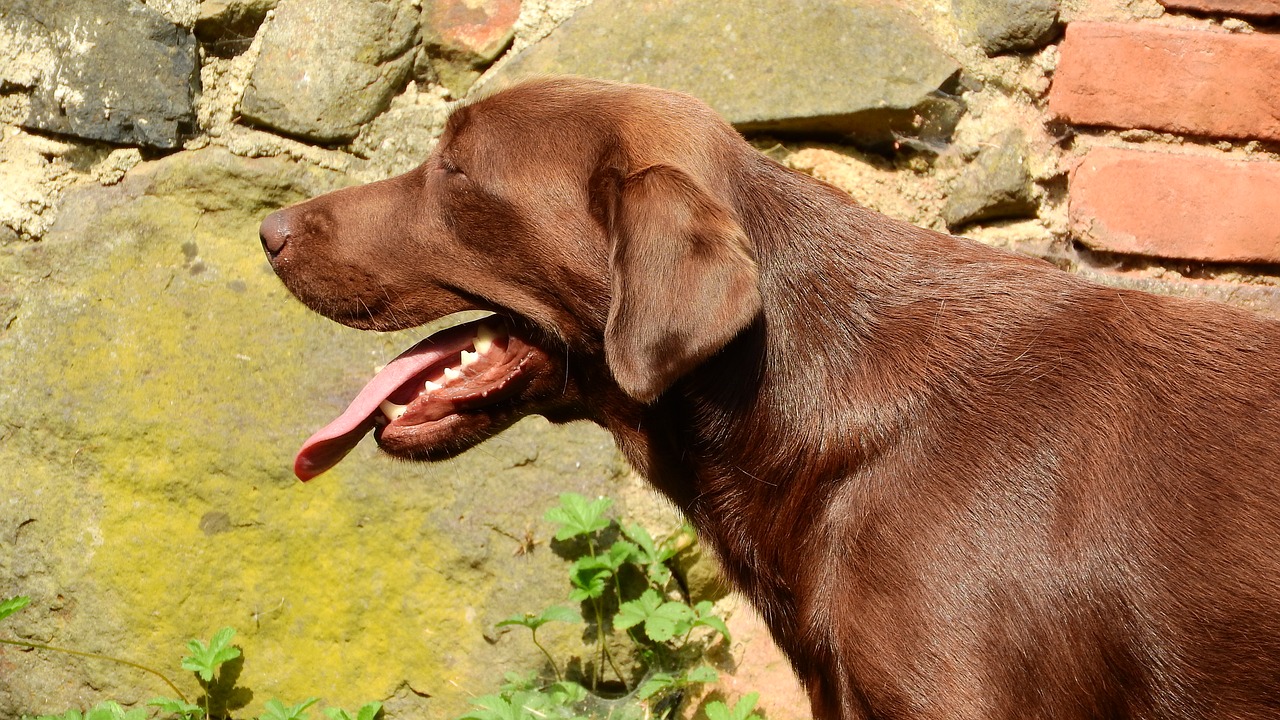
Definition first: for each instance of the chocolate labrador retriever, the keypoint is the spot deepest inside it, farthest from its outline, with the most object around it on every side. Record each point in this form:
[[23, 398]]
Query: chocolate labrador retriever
[[956, 482]]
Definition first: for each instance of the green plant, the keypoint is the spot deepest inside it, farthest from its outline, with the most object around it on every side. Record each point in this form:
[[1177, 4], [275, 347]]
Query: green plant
[[277, 710], [741, 710], [369, 711], [623, 579], [206, 661], [533, 622]]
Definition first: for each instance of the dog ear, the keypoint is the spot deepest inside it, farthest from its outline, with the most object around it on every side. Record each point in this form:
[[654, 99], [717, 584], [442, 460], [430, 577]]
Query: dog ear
[[683, 276]]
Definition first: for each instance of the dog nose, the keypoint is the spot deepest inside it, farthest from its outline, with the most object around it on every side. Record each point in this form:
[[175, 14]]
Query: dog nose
[[275, 232]]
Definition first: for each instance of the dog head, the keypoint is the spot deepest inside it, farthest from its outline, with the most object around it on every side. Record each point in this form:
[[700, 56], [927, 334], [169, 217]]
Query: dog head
[[590, 218]]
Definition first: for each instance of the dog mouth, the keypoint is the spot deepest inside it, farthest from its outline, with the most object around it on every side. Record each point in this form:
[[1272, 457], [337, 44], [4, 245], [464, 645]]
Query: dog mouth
[[453, 381]]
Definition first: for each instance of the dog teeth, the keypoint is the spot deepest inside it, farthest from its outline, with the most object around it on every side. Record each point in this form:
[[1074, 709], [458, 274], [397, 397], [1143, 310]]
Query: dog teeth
[[392, 410], [469, 358], [431, 386], [485, 336], [451, 374]]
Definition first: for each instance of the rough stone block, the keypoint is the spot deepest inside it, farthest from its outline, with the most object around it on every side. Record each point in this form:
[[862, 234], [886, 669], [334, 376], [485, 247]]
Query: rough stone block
[[1176, 206], [1181, 81], [858, 68], [328, 66], [999, 26], [112, 70], [227, 27], [995, 185], [465, 36]]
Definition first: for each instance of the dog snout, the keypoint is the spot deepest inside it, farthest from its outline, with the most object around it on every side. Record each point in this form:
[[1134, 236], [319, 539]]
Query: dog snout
[[276, 231]]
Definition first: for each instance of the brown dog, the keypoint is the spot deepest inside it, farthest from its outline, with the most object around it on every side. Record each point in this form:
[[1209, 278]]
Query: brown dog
[[956, 482]]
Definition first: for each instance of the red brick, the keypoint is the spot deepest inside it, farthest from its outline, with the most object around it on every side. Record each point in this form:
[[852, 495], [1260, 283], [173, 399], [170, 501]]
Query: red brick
[[1182, 81], [1260, 8], [1176, 206]]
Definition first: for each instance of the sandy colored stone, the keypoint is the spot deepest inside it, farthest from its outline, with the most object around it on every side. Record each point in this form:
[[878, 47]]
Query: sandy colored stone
[[996, 185], [329, 66], [1176, 206], [999, 26], [861, 68]]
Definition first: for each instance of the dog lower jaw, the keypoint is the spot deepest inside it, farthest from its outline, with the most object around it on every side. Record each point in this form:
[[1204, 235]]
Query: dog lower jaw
[[463, 407], [451, 390]]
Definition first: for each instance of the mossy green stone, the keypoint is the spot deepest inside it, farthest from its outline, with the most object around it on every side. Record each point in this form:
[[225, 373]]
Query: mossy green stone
[[157, 380]]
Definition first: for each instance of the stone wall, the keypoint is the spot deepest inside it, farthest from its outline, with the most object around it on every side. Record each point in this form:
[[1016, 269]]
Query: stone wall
[[157, 377]]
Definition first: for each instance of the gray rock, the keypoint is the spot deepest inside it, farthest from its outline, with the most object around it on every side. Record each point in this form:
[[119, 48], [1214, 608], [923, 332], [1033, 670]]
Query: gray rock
[[119, 71], [179, 12], [328, 66], [995, 185], [999, 26], [852, 67], [227, 27]]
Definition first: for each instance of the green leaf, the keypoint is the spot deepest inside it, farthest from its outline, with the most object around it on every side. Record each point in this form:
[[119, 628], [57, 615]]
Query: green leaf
[[588, 576], [368, 711], [634, 612], [111, 710], [13, 605], [741, 710], [619, 554], [495, 707], [641, 537], [566, 692], [669, 620], [205, 660], [701, 674], [717, 710], [556, 613], [649, 555], [576, 516], [654, 684], [706, 617], [184, 710], [276, 710], [662, 620], [519, 682]]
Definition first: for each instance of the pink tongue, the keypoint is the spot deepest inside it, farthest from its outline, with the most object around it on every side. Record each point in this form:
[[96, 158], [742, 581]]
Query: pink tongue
[[331, 443]]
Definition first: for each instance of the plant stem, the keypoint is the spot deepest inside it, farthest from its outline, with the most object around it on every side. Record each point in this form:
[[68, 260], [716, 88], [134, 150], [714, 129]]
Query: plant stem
[[599, 673], [550, 659], [96, 656], [616, 671]]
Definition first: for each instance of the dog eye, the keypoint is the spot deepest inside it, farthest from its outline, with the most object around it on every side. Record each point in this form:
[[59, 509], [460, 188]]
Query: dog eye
[[449, 167]]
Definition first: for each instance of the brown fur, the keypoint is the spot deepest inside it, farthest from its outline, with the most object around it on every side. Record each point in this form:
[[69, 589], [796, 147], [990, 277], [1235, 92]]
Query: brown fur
[[956, 482]]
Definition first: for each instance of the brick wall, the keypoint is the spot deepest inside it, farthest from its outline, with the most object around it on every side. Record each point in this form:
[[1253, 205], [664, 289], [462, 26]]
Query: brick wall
[[1206, 198]]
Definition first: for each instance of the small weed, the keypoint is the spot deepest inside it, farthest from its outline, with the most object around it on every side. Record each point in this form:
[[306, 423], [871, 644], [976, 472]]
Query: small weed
[[624, 586], [741, 710], [206, 661], [620, 576]]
